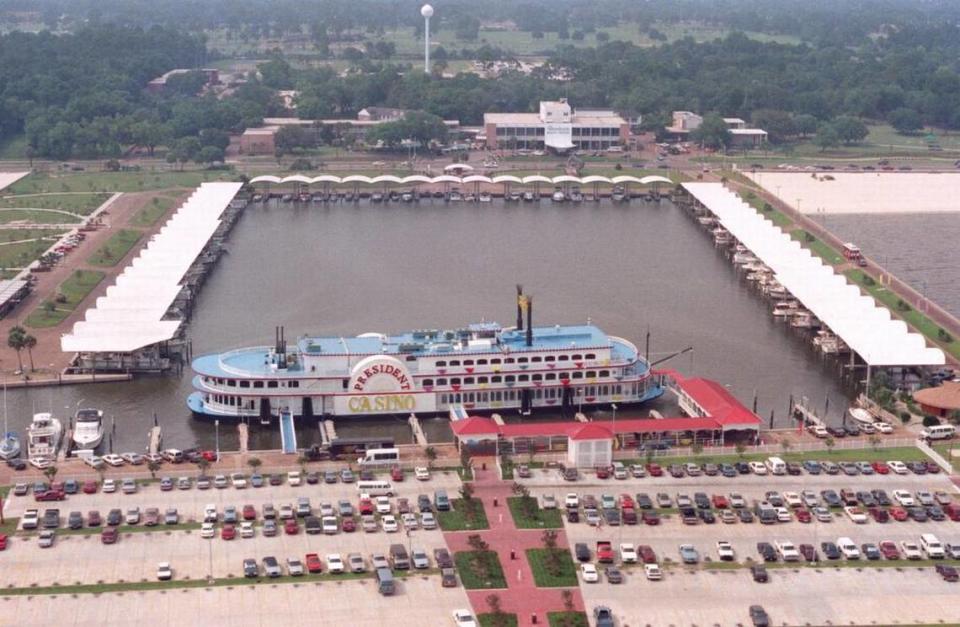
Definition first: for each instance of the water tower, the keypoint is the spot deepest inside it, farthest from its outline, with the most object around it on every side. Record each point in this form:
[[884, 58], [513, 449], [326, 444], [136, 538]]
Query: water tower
[[427, 12]]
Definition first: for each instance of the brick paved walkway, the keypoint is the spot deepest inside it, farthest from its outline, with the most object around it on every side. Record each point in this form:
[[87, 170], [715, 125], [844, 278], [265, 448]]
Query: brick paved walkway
[[522, 596]]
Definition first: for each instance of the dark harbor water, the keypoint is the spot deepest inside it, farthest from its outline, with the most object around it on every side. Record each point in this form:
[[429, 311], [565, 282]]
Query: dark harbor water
[[349, 269], [919, 248]]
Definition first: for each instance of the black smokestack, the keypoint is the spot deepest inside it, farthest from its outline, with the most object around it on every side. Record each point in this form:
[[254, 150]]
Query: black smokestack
[[519, 307], [529, 320]]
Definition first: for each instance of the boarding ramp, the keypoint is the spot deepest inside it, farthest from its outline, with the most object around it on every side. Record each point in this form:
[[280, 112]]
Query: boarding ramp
[[288, 435]]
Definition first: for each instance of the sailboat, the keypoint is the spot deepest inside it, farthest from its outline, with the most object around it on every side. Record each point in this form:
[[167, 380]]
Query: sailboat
[[10, 444]]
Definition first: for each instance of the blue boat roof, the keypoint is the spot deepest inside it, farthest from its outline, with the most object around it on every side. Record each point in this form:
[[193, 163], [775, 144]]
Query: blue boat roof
[[481, 338]]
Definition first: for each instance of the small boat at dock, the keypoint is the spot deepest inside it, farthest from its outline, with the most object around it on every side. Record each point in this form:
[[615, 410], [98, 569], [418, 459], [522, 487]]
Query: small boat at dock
[[88, 428], [9, 446], [785, 308], [43, 436]]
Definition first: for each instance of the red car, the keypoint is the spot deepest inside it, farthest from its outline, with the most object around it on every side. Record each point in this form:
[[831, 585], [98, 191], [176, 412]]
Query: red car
[[654, 470], [899, 514], [879, 514], [889, 550], [880, 468], [952, 510], [89, 487], [314, 565], [403, 506], [602, 472], [51, 495], [348, 525], [210, 456], [803, 515], [604, 552], [396, 473], [650, 518], [229, 532], [291, 528], [647, 556], [93, 518], [109, 535], [720, 501], [626, 501], [932, 468], [365, 507], [3, 541], [249, 512]]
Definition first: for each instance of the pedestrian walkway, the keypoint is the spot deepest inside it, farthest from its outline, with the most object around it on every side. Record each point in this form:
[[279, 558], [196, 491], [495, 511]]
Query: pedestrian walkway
[[521, 596]]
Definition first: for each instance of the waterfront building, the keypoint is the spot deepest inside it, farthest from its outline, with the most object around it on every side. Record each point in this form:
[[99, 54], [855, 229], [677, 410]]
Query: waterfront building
[[557, 127]]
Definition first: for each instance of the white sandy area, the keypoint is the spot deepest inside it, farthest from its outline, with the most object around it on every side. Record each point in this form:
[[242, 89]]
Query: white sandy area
[[9, 178], [864, 192]]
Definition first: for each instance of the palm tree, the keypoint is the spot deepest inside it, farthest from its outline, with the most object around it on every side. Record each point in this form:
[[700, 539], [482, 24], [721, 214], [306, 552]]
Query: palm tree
[[50, 472], [254, 463], [29, 343], [203, 463], [431, 454], [15, 340], [153, 466]]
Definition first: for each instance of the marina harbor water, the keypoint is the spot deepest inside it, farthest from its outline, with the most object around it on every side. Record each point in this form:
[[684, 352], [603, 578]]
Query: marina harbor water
[[344, 269]]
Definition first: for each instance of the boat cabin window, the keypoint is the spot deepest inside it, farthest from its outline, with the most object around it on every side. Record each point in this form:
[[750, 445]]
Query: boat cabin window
[[258, 384], [244, 384], [467, 362], [577, 375], [454, 362], [482, 380], [604, 373], [591, 373], [411, 358], [576, 357], [231, 383], [481, 362], [427, 383], [523, 377], [509, 378], [441, 364], [468, 381], [521, 360], [293, 384], [537, 377], [495, 361], [549, 358], [273, 384], [455, 381], [536, 359], [346, 383], [496, 379], [551, 376], [563, 358], [441, 381], [508, 360], [590, 356]]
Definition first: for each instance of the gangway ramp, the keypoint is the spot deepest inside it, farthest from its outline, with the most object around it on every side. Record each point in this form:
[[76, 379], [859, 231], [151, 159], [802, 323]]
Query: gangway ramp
[[288, 435]]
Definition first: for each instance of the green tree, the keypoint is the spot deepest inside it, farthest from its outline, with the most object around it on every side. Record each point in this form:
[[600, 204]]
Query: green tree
[[153, 466], [431, 454], [50, 472], [29, 343], [740, 448], [829, 442], [786, 445], [850, 129], [905, 121], [712, 132], [805, 124], [16, 339], [203, 464], [779, 125], [209, 155], [826, 137], [254, 463]]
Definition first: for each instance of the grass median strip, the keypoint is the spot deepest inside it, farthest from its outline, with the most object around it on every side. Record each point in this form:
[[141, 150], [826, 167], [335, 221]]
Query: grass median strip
[[480, 570], [901, 453], [152, 212], [503, 619], [70, 293], [464, 516], [567, 619], [552, 568], [527, 514], [115, 248]]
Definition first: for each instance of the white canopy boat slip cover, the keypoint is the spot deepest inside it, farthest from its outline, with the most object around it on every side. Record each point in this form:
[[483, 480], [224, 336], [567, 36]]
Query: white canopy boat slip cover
[[868, 329], [129, 316], [449, 178]]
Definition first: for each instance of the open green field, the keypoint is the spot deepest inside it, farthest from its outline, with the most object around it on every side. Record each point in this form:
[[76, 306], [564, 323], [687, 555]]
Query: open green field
[[14, 147], [152, 212], [463, 516], [901, 453], [564, 577], [817, 247], [115, 248], [36, 216], [472, 577], [82, 203], [492, 620], [539, 519], [74, 289], [913, 317], [567, 619], [21, 254], [116, 181]]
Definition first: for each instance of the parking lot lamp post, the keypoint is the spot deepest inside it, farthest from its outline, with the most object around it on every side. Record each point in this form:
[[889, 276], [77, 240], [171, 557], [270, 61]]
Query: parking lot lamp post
[[614, 427], [216, 424]]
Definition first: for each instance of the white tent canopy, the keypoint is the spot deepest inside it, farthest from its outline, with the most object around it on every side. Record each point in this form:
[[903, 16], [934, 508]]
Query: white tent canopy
[[867, 329], [129, 316]]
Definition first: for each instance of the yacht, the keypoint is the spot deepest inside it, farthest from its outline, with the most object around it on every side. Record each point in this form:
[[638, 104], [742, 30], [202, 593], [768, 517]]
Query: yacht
[[558, 196], [803, 319], [88, 428], [43, 436], [10, 445], [529, 197], [485, 197], [784, 308]]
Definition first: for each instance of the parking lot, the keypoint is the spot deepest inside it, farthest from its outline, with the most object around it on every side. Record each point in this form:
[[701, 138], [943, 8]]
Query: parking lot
[[82, 558], [419, 601]]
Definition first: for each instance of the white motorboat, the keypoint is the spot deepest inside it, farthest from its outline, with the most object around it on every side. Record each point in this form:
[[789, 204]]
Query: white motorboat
[[88, 428], [558, 196], [785, 308], [707, 220], [43, 436], [485, 197], [742, 259], [10, 445], [803, 319], [861, 415]]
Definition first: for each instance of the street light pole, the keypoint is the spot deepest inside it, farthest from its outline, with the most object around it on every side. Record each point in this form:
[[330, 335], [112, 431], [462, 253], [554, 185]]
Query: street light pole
[[216, 424]]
